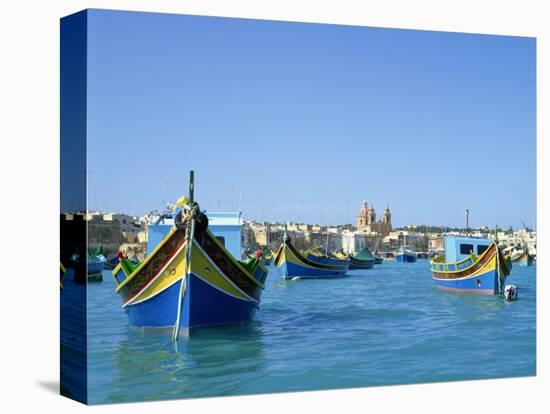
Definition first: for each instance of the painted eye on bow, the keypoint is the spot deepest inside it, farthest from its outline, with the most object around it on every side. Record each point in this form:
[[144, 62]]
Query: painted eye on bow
[[173, 271]]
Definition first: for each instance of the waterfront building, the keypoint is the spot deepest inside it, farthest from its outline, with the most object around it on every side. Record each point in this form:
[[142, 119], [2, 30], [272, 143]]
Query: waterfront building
[[518, 239], [436, 242], [325, 237], [353, 241], [397, 238], [113, 232], [260, 233]]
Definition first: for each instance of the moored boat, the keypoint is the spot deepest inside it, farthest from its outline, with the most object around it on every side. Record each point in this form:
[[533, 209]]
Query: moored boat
[[339, 255], [471, 265], [310, 265], [326, 258], [521, 257], [87, 268], [362, 260], [405, 255], [190, 279]]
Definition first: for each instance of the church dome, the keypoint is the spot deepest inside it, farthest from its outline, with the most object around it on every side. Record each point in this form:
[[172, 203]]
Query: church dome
[[364, 210]]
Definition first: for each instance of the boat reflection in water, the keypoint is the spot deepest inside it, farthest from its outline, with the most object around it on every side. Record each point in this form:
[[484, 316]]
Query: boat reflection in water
[[232, 354]]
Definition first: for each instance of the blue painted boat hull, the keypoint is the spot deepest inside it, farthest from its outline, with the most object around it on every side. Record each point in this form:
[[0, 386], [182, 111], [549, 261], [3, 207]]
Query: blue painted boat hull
[[355, 267], [355, 263], [487, 284], [291, 270], [202, 305], [405, 257], [95, 267], [87, 272]]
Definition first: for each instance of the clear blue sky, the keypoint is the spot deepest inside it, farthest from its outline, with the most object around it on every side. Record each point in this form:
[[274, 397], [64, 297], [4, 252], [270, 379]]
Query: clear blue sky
[[310, 120]]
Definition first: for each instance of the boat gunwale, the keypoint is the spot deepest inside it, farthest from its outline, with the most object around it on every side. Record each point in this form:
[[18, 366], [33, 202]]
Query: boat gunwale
[[145, 261], [474, 262]]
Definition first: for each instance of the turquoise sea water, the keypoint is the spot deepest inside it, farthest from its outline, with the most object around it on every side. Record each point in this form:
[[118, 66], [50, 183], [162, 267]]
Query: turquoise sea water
[[386, 325]]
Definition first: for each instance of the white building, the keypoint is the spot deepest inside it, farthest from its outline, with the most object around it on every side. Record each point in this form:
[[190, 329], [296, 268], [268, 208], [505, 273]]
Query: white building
[[520, 238], [355, 241]]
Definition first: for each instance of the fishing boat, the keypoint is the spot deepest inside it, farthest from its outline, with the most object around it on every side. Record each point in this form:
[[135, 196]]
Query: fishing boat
[[309, 265], [521, 257], [87, 268], [377, 258], [362, 260], [107, 263], [471, 265], [189, 279], [405, 255], [323, 257]]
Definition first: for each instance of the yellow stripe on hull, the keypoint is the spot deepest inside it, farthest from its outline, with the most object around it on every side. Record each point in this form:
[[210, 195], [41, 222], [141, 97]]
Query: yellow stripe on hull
[[147, 259], [170, 275], [491, 265], [201, 266], [289, 256]]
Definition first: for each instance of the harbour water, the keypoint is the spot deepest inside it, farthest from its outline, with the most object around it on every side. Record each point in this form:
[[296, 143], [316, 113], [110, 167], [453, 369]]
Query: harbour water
[[385, 325]]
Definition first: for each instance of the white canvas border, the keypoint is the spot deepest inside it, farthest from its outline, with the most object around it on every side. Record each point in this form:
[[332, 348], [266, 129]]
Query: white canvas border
[[30, 176]]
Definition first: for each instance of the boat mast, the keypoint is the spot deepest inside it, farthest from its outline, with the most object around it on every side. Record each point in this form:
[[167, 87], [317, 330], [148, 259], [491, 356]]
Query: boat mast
[[326, 247], [329, 211], [467, 223], [189, 236]]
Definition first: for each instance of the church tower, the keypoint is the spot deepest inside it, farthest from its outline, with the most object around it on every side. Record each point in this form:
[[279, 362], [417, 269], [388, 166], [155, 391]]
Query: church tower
[[372, 216], [387, 216]]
